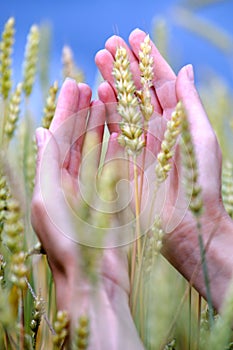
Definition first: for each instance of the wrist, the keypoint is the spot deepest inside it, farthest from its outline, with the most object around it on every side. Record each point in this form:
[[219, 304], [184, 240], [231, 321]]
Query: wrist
[[107, 308], [219, 256], [182, 249]]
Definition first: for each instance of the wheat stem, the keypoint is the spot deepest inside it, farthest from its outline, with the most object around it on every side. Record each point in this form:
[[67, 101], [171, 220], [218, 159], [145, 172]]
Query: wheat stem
[[21, 314], [206, 275]]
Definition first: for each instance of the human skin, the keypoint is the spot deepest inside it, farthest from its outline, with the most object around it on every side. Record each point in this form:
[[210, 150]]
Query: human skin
[[181, 246], [59, 156]]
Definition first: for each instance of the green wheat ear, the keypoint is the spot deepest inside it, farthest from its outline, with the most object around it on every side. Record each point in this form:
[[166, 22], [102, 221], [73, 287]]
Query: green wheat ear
[[146, 66], [6, 313], [4, 194], [37, 314], [50, 106], [168, 144], [190, 165], [12, 113], [61, 329], [82, 333], [13, 226], [30, 60], [6, 48], [194, 195], [154, 243], [12, 237]]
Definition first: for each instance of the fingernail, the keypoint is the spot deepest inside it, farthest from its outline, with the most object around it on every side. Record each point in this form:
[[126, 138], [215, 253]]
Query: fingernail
[[40, 136], [190, 73]]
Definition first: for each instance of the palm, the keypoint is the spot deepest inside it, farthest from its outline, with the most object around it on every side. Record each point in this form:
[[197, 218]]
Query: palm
[[59, 176], [166, 91]]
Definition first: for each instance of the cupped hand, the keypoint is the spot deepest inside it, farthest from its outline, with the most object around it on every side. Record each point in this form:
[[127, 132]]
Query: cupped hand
[[59, 163], [180, 243]]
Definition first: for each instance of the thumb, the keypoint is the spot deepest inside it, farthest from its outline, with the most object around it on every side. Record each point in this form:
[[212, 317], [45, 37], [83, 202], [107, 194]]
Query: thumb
[[47, 164], [187, 93]]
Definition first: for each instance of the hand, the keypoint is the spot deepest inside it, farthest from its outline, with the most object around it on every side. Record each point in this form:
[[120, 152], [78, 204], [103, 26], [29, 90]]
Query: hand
[[59, 162], [180, 244]]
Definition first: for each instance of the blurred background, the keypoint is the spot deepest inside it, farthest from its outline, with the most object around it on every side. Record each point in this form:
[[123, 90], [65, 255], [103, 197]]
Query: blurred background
[[186, 31], [71, 32]]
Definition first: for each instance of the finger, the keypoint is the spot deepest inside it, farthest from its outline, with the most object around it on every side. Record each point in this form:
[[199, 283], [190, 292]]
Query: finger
[[73, 157], [114, 148], [187, 93], [112, 44], [105, 60], [156, 125], [108, 97], [47, 153], [97, 118], [95, 129], [63, 123], [91, 152], [84, 96], [47, 182], [47, 216], [164, 77], [67, 104], [81, 116], [203, 136], [162, 70], [50, 154]]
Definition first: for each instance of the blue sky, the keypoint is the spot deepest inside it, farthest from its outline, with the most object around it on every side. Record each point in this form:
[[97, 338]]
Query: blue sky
[[85, 25]]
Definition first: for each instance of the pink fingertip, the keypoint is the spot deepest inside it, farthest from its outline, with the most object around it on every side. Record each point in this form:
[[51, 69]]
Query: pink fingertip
[[69, 82], [113, 42], [106, 92], [85, 88], [114, 136], [136, 32], [99, 54]]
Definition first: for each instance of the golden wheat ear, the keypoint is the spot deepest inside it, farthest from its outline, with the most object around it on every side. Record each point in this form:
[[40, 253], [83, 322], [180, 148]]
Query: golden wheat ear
[[168, 144], [146, 66], [131, 136]]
